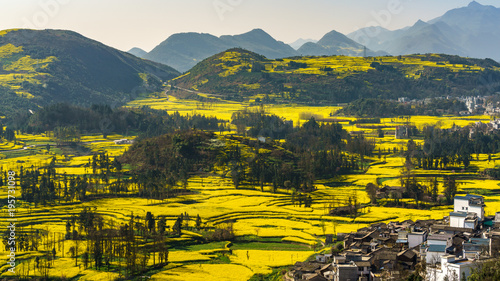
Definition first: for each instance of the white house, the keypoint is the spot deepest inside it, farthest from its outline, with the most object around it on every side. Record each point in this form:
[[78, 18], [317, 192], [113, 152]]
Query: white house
[[434, 253], [476, 247], [437, 246], [416, 238], [468, 211], [454, 269], [470, 204], [464, 220]]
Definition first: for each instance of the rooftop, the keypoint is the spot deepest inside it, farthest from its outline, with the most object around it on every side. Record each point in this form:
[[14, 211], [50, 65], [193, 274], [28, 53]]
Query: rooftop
[[468, 196], [440, 237], [437, 248], [479, 241], [458, 214]]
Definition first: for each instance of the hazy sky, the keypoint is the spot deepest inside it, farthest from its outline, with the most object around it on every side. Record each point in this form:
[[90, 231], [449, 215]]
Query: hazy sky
[[124, 24]]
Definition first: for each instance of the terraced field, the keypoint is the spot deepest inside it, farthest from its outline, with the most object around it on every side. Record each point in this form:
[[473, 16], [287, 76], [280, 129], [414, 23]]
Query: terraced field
[[270, 230]]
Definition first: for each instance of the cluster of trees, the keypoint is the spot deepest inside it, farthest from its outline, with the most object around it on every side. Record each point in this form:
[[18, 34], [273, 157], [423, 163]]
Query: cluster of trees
[[104, 120], [492, 173], [419, 189], [44, 185], [67, 135], [131, 245], [308, 153], [159, 164], [261, 124], [375, 107], [489, 271], [445, 148], [442, 149], [7, 134], [312, 136]]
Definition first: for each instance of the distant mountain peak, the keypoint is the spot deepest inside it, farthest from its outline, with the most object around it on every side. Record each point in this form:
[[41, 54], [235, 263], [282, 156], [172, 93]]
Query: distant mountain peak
[[138, 52], [257, 32], [185, 50], [300, 42], [420, 23], [474, 4]]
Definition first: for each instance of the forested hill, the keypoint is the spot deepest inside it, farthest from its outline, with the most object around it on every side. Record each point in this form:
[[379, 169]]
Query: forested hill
[[239, 74], [40, 67]]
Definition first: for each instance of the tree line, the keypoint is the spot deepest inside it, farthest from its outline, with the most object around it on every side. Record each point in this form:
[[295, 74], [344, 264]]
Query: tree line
[[375, 107], [102, 119]]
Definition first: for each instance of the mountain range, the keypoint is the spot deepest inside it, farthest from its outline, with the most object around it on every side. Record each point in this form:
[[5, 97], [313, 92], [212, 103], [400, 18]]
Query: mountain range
[[471, 31], [478, 36], [40, 67], [182, 51]]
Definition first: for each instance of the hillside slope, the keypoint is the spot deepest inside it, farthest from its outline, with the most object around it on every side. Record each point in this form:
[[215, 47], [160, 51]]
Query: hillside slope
[[242, 75], [40, 67]]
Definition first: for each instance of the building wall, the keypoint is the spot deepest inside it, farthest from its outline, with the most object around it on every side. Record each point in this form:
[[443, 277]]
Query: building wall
[[436, 242], [415, 239], [451, 270], [461, 205], [433, 257], [470, 225], [457, 221], [347, 273], [478, 210]]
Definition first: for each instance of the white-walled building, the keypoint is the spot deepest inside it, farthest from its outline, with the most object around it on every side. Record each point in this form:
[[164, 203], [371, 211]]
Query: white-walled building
[[468, 211], [454, 268], [437, 246], [416, 238], [470, 204]]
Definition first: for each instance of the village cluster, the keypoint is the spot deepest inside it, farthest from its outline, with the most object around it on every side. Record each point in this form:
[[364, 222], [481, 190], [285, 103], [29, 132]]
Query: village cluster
[[447, 249]]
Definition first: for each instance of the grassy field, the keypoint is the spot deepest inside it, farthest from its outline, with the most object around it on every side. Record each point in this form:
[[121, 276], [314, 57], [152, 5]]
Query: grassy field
[[270, 231]]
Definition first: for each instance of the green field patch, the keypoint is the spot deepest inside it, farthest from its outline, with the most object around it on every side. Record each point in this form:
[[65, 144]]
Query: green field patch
[[270, 246], [201, 247]]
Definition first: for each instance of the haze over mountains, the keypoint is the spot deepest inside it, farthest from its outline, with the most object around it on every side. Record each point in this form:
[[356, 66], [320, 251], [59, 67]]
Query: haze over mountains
[[469, 31], [301, 41], [182, 51]]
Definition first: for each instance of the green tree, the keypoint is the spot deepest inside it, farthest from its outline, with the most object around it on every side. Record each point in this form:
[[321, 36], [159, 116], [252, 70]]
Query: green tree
[[371, 189], [198, 221], [9, 134], [489, 271], [450, 189], [177, 226], [162, 224]]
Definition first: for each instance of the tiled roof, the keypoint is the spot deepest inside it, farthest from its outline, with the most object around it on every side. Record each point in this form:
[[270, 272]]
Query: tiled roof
[[458, 214], [437, 248], [467, 197]]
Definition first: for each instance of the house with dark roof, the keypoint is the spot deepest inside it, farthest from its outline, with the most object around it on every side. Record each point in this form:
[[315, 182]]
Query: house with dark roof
[[470, 204], [476, 247], [433, 253]]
